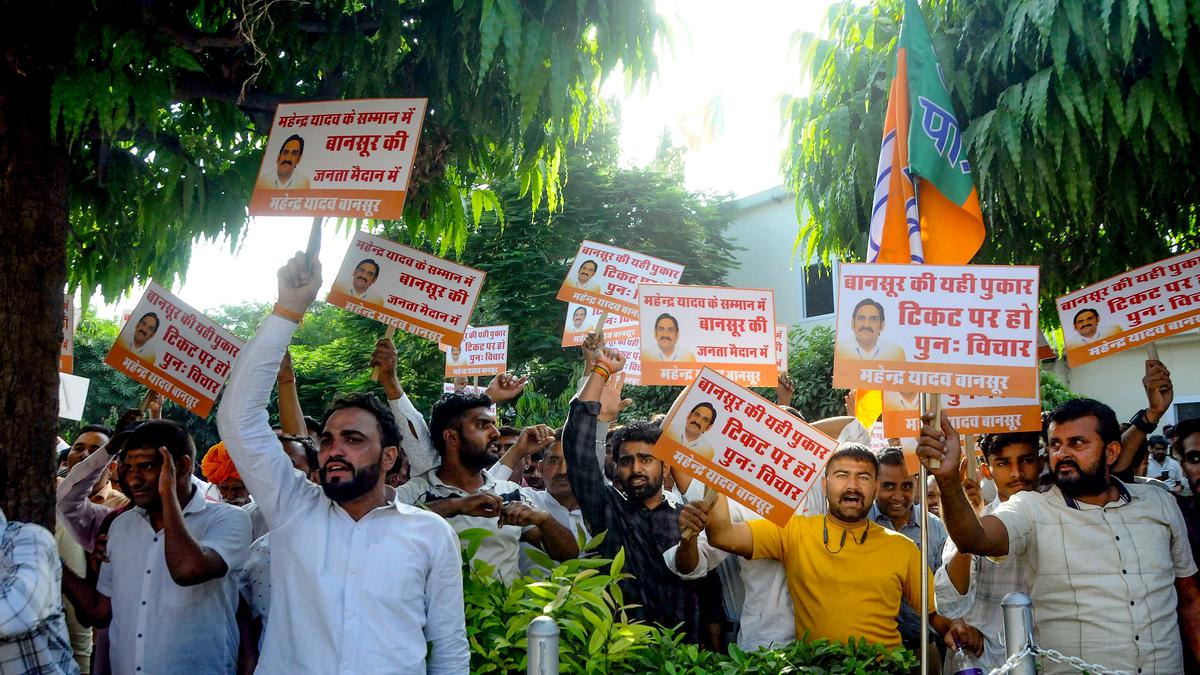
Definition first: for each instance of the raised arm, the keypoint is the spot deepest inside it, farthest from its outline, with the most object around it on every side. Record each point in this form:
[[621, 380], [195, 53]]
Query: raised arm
[[414, 432], [533, 439], [189, 561], [727, 535], [972, 535], [242, 419], [1160, 393], [291, 415], [79, 515], [585, 474]]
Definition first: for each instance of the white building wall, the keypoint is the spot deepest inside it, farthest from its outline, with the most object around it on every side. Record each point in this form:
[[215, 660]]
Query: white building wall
[[1117, 380], [766, 227]]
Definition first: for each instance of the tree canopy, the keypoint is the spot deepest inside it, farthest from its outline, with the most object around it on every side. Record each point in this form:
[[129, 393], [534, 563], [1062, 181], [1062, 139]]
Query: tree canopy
[[1082, 128], [127, 134], [170, 148]]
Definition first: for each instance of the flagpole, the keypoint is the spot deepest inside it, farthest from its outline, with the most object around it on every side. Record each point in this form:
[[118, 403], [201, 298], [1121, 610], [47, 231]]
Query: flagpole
[[930, 403]]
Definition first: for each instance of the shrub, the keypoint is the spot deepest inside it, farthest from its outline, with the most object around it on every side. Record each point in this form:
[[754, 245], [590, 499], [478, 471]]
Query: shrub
[[596, 636]]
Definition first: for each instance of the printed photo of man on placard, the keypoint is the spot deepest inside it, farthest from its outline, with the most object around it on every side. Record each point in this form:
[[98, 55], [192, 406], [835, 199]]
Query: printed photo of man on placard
[[866, 326], [587, 277], [139, 337], [666, 342], [283, 175], [359, 282], [694, 429], [1089, 327]]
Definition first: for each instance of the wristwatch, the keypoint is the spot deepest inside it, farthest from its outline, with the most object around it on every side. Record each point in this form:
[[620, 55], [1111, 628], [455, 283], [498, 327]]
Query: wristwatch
[[1144, 425]]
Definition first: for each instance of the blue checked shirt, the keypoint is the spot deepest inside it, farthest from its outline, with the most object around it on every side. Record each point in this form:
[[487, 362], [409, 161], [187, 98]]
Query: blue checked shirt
[[33, 632]]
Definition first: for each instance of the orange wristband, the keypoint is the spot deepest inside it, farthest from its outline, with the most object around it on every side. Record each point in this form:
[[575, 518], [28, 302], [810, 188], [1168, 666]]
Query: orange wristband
[[295, 317]]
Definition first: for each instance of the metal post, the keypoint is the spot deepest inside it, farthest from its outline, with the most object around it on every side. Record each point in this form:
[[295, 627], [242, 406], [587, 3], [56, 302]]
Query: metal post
[[930, 403], [1018, 630], [542, 635]]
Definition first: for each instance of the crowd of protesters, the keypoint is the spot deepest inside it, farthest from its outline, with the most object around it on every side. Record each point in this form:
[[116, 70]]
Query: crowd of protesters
[[332, 546]]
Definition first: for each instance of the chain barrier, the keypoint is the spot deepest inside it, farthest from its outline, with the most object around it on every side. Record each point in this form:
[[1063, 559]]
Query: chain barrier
[[1058, 657]]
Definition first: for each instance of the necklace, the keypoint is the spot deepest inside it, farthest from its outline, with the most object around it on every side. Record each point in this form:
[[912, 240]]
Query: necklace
[[842, 545]]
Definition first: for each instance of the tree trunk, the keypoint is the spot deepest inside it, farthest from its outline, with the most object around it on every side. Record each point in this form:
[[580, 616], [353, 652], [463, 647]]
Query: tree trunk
[[34, 212]]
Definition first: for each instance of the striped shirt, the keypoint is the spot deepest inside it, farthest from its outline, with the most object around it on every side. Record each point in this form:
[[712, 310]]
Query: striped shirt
[[990, 580]]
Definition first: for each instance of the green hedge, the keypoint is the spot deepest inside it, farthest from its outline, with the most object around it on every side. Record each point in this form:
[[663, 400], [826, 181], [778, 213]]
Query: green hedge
[[596, 636]]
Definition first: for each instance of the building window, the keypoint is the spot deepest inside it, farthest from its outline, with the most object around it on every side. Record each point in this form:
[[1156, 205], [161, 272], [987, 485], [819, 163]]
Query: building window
[[818, 291], [1186, 411]]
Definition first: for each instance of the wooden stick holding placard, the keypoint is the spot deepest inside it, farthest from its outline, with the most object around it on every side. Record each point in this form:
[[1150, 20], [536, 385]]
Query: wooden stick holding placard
[[377, 372], [600, 326], [930, 404], [710, 498], [1152, 352]]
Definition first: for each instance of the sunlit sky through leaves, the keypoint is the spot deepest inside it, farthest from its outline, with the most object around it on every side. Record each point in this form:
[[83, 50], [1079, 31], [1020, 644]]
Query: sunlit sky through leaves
[[717, 92]]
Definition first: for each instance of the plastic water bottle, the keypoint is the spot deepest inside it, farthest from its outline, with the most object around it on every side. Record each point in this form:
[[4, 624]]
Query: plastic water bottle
[[963, 663]]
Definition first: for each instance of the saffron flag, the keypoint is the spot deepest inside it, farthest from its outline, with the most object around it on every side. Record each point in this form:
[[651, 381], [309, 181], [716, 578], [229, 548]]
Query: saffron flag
[[926, 208]]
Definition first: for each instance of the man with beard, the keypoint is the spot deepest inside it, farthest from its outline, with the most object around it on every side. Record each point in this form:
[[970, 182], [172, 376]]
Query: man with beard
[[872, 568], [464, 492], [867, 324], [636, 516], [370, 581], [169, 564], [1111, 573], [971, 587]]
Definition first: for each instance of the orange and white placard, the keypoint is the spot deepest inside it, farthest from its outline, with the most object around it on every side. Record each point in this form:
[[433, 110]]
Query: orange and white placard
[[632, 351], [581, 321], [731, 330], [965, 329], [781, 348], [349, 159], [1131, 309], [175, 350], [968, 414], [744, 446], [414, 291], [66, 357], [606, 278], [484, 351]]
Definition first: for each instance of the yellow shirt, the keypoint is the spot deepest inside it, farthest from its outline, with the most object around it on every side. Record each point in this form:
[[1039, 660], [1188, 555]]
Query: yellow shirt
[[852, 593]]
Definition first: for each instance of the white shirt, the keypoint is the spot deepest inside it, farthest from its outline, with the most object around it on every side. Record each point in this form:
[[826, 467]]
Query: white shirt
[[149, 609], [347, 596], [258, 522], [700, 445], [1169, 465], [502, 549], [767, 616], [990, 580], [81, 516], [254, 578], [1103, 578]]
